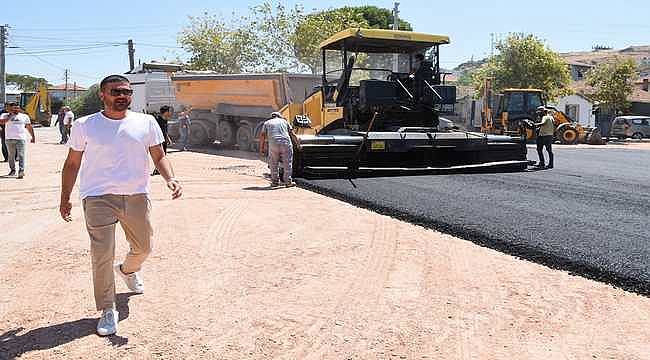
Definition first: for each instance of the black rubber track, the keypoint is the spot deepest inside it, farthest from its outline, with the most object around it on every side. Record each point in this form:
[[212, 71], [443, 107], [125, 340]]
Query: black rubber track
[[590, 215]]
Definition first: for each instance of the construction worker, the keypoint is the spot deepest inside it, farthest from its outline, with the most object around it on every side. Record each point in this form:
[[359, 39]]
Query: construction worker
[[185, 125], [163, 119], [60, 121], [278, 132], [545, 138], [116, 146], [68, 119]]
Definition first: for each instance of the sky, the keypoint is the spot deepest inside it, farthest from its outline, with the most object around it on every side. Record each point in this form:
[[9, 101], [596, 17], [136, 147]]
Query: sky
[[89, 38]]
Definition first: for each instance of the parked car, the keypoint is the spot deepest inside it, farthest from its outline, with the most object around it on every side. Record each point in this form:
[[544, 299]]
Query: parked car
[[636, 127]]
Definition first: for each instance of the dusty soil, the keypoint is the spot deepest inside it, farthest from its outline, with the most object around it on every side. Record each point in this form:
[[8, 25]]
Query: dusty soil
[[241, 272]]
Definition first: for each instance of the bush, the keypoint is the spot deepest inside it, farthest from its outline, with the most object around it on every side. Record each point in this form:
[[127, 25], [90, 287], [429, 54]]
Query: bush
[[87, 104]]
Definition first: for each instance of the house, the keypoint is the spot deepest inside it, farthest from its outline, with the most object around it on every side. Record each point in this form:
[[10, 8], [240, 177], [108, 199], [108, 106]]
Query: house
[[579, 70], [640, 101], [643, 84], [58, 92], [578, 107]]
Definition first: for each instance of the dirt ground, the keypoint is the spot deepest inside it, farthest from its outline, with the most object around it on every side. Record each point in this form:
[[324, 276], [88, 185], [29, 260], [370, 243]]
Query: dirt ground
[[241, 272]]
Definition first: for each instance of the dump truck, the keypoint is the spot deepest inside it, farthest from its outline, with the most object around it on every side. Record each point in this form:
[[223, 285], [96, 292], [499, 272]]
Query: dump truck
[[516, 111], [367, 116], [152, 86], [229, 109]]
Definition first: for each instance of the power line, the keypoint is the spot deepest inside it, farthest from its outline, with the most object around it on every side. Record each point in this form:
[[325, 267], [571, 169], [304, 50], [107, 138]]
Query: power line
[[104, 28], [159, 46], [61, 67], [45, 52]]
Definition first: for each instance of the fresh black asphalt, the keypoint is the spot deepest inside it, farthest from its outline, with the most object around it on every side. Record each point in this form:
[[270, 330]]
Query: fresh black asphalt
[[589, 215]]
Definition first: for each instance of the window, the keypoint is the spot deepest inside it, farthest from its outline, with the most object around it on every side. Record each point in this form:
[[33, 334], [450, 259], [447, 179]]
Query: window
[[573, 111], [516, 104], [637, 122], [534, 101]]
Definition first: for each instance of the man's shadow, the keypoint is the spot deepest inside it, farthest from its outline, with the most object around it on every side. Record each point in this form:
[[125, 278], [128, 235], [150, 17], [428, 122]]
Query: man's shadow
[[48, 337]]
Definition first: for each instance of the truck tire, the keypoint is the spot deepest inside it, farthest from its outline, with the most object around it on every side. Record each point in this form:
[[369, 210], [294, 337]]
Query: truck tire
[[227, 133], [245, 138], [568, 135], [199, 133]]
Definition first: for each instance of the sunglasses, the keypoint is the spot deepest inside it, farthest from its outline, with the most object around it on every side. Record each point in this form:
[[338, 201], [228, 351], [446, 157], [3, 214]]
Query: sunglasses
[[118, 92]]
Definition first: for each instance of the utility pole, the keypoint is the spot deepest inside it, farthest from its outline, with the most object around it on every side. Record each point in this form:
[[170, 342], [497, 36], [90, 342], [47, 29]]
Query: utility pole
[[131, 53], [396, 27], [74, 90], [491, 44], [3, 74], [65, 97]]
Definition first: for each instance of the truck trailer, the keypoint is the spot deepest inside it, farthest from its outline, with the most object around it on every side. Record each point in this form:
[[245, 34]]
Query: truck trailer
[[229, 109]]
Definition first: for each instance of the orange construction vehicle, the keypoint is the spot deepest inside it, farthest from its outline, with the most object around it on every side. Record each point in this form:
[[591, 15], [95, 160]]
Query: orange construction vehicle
[[230, 108], [517, 110]]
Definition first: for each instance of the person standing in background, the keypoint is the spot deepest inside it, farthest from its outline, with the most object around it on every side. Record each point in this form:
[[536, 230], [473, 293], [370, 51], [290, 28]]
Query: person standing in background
[[163, 119], [17, 125], [184, 124]]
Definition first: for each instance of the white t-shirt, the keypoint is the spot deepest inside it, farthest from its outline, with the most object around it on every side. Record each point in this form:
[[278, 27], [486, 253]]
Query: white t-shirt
[[68, 118], [116, 153], [15, 127]]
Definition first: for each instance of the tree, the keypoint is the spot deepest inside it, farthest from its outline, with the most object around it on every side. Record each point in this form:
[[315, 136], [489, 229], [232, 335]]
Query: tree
[[316, 27], [274, 26], [217, 46], [272, 37], [88, 103], [613, 82], [380, 18], [25, 82], [523, 61]]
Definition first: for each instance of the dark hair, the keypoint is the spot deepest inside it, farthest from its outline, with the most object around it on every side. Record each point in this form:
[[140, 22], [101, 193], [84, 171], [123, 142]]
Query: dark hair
[[12, 103], [112, 79], [164, 109], [419, 57]]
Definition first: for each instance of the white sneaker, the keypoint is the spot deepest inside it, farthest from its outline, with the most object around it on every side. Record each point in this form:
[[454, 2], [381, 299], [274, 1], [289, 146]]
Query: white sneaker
[[132, 280], [107, 324]]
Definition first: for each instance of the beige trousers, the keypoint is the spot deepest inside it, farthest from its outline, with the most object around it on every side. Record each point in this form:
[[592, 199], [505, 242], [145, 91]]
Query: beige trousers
[[102, 213]]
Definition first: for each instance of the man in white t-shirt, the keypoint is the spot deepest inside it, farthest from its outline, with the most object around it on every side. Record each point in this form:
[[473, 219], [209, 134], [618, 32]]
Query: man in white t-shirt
[[17, 125], [110, 150], [68, 118]]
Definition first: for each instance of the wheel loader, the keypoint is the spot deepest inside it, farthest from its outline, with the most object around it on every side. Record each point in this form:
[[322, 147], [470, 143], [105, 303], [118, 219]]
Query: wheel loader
[[517, 111], [365, 117]]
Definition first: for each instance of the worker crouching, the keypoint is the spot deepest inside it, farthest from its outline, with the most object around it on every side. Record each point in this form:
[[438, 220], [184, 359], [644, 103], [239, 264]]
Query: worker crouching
[[279, 134]]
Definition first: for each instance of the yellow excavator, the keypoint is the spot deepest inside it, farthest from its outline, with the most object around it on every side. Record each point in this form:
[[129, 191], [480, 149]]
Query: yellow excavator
[[38, 106], [516, 111]]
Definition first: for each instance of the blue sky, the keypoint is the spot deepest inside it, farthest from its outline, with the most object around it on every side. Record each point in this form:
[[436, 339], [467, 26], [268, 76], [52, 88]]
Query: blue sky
[[92, 36]]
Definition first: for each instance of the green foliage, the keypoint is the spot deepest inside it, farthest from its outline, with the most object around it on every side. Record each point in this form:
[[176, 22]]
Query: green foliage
[[272, 37], [25, 82], [613, 82], [380, 18], [88, 103], [523, 61], [316, 27], [217, 46], [274, 25]]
